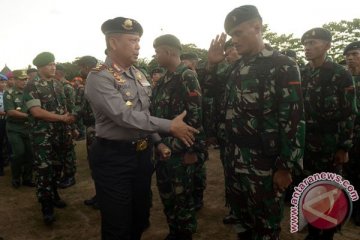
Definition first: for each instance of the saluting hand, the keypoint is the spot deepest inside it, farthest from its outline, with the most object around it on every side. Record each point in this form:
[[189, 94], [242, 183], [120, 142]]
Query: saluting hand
[[216, 52], [181, 130]]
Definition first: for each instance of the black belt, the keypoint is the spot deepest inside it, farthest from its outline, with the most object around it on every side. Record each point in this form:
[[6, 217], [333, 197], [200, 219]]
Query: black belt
[[137, 145]]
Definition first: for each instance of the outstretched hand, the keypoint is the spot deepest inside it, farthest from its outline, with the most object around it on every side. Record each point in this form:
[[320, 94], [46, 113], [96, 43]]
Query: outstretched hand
[[182, 131]]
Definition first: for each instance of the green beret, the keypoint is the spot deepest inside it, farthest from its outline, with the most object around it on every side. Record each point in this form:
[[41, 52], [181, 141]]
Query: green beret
[[228, 44], [352, 46], [31, 70], [20, 74], [43, 59], [240, 15], [167, 40], [87, 61], [60, 67], [157, 70], [189, 56], [121, 25], [317, 33]]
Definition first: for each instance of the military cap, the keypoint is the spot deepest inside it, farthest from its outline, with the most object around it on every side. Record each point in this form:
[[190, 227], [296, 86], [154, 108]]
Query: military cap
[[87, 61], [317, 33], [352, 46], [43, 59], [157, 70], [289, 53], [228, 44], [167, 40], [60, 67], [239, 15], [31, 70], [20, 74], [3, 77], [122, 25], [189, 56]]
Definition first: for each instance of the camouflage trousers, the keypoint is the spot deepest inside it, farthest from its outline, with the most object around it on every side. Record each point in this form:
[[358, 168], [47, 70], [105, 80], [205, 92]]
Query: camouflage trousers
[[175, 184], [69, 156], [90, 137], [47, 149], [199, 180], [250, 193]]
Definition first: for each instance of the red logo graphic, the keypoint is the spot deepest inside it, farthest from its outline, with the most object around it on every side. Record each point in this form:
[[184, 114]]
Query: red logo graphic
[[325, 206]]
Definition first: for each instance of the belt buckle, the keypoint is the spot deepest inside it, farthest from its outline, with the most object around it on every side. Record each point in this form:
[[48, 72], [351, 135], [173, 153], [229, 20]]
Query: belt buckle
[[141, 145]]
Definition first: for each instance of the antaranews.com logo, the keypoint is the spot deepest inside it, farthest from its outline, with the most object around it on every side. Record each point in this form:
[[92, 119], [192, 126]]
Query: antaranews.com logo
[[323, 200]]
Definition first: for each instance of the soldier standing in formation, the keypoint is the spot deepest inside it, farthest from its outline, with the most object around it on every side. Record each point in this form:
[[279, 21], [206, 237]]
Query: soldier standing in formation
[[263, 118], [176, 91], [86, 63], [352, 56], [17, 127], [121, 155], [46, 103], [329, 99], [3, 80], [68, 149]]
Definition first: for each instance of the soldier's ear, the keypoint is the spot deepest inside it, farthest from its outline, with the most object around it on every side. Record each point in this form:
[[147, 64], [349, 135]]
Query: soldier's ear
[[112, 43]]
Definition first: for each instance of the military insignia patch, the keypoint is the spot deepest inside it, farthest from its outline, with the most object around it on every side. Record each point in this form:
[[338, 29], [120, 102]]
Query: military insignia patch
[[128, 25]]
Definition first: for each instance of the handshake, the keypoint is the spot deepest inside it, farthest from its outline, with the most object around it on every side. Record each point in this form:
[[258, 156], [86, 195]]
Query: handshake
[[67, 118]]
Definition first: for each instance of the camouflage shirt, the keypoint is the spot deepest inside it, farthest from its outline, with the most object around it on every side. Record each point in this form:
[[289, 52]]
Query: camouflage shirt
[[47, 94], [174, 93], [261, 98]]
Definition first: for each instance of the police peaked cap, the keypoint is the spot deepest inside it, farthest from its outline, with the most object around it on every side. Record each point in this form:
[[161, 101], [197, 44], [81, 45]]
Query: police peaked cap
[[122, 25]]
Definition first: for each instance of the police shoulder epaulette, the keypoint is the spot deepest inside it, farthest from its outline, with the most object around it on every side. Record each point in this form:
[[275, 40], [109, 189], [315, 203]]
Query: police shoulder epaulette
[[99, 68]]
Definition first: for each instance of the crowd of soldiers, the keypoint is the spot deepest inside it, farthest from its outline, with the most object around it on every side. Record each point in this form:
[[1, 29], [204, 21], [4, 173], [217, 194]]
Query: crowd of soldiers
[[273, 123]]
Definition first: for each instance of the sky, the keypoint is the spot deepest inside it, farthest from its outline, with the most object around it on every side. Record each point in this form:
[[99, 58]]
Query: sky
[[71, 28]]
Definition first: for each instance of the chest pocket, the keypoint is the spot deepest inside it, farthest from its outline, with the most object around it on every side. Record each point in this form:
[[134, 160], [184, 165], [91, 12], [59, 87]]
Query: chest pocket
[[127, 91]]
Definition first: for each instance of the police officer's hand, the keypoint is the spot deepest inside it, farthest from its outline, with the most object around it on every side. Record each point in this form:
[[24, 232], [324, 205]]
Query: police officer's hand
[[281, 179], [181, 130], [190, 158], [216, 52], [163, 151], [341, 157]]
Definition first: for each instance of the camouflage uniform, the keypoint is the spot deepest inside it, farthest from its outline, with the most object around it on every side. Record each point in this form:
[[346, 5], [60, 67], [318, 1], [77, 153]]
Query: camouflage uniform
[[329, 100], [261, 117], [46, 137], [68, 145], [174, 93], [18, 135]]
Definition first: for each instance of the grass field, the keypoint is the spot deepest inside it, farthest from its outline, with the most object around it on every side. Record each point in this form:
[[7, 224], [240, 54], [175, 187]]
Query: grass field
[[21, 219]]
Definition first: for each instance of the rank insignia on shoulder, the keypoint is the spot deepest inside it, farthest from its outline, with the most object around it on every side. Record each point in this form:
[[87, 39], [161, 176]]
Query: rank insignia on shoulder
[[128, 103]]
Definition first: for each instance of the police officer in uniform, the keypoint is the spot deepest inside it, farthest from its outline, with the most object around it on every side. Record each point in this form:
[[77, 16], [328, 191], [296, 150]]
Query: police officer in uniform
[[17, 127], [121, 155]]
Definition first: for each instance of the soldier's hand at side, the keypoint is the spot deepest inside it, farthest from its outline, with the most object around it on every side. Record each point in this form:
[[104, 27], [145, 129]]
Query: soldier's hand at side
[[281, 179], [216, 52], [190, 158], [341, 157], [181, 130], [75, 134], [163, 151]]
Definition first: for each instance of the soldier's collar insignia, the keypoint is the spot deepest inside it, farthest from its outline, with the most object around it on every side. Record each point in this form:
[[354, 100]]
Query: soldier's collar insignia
[[128, 24]]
